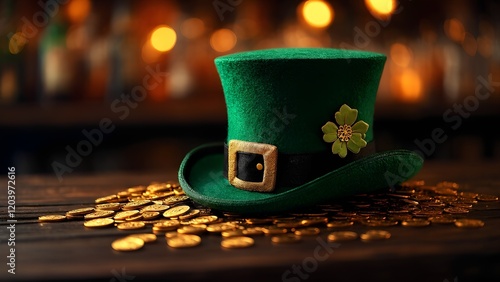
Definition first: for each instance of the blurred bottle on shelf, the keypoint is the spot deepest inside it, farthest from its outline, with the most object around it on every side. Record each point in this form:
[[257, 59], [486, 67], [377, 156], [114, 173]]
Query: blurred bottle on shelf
[[56, 63], [11, 66]]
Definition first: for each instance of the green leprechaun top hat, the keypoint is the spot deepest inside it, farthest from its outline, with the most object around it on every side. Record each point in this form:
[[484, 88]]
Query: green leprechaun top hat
[[300, 132]]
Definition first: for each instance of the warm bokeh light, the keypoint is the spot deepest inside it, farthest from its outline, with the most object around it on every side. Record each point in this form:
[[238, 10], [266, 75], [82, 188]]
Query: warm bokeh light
[[469, 44], [381, 7], [411, 85], [163, 38], [316, 13], [16, 43], [223, 40], [192, 28], [454, 29], [401, 55], [78, 10]]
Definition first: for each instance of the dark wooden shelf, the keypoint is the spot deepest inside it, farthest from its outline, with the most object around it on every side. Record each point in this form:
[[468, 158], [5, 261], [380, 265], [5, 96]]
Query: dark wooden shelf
[[179, 112]]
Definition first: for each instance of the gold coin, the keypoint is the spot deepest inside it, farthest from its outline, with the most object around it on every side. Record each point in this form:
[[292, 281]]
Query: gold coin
[[135, 217], [190, 214], [146, 237], [469, 223], [285, 239], [150, 215], [99, 222], [288, 224], [253, 231], [124, 214], [108, 207], [171, 234], [371, 235], [131, 225], [335, 224], [232, 233], [82, 211], [205, 219], [456, 210], [273, 230], [52, 218], [176, 211], [98, 214], [175, 199], [127, 244], [137, 189], [191, 230], [184, 241], [487, 198], [237, 242], [106, 199], [155, 208], [135, 205], [383, 222], [415, 222], [311, 231], [259, 221], [342, 236], [314, 221], [442, 220], [220, 227], [166, 225], [469, 195]]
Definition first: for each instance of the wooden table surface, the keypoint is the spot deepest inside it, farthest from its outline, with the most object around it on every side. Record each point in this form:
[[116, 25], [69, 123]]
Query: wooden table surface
[[68, 251]]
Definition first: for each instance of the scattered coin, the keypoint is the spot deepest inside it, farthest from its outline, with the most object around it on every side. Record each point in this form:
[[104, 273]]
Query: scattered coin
[[253, 231], [176, 211], [155, 208], [285, 239], [136, 205], [487, 198], [52, 218], [335, 224], [189, 229], [99, 222], [311, 231], [372, 235], [146, 237], [469, 223], [150, 215], [98, 214], [342, 236], [456, 210], [232, 233], [108, 207], [442, 220], [82, 211], [184, 241], [237, 242], [415, 222], [127, 244], [125, 214], [131, 225]]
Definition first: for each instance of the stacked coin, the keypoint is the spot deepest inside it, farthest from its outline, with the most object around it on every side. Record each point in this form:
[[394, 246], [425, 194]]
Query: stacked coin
[[167, 211]]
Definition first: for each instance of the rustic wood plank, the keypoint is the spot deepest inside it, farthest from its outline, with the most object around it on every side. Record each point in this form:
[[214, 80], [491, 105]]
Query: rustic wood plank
[[68, 251]]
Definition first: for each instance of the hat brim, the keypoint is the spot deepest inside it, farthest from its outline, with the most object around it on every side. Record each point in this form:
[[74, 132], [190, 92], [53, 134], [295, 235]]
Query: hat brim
[[201, 177]]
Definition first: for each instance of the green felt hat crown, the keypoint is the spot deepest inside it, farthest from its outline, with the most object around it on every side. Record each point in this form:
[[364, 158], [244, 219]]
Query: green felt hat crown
[[300, 131]]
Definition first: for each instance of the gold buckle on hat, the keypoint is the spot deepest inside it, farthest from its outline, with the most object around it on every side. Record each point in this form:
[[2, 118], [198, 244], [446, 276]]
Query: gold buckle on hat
[[270, 155]]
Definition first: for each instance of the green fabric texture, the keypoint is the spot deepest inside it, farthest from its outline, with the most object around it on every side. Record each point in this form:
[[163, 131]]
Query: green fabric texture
[[200, 175], [284, 96]]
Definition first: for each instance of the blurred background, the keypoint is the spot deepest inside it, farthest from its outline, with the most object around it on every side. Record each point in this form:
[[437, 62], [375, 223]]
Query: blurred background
[[97, 86]]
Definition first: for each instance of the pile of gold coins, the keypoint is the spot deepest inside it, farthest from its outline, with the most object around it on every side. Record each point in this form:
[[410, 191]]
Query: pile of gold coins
[[164, 209]]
